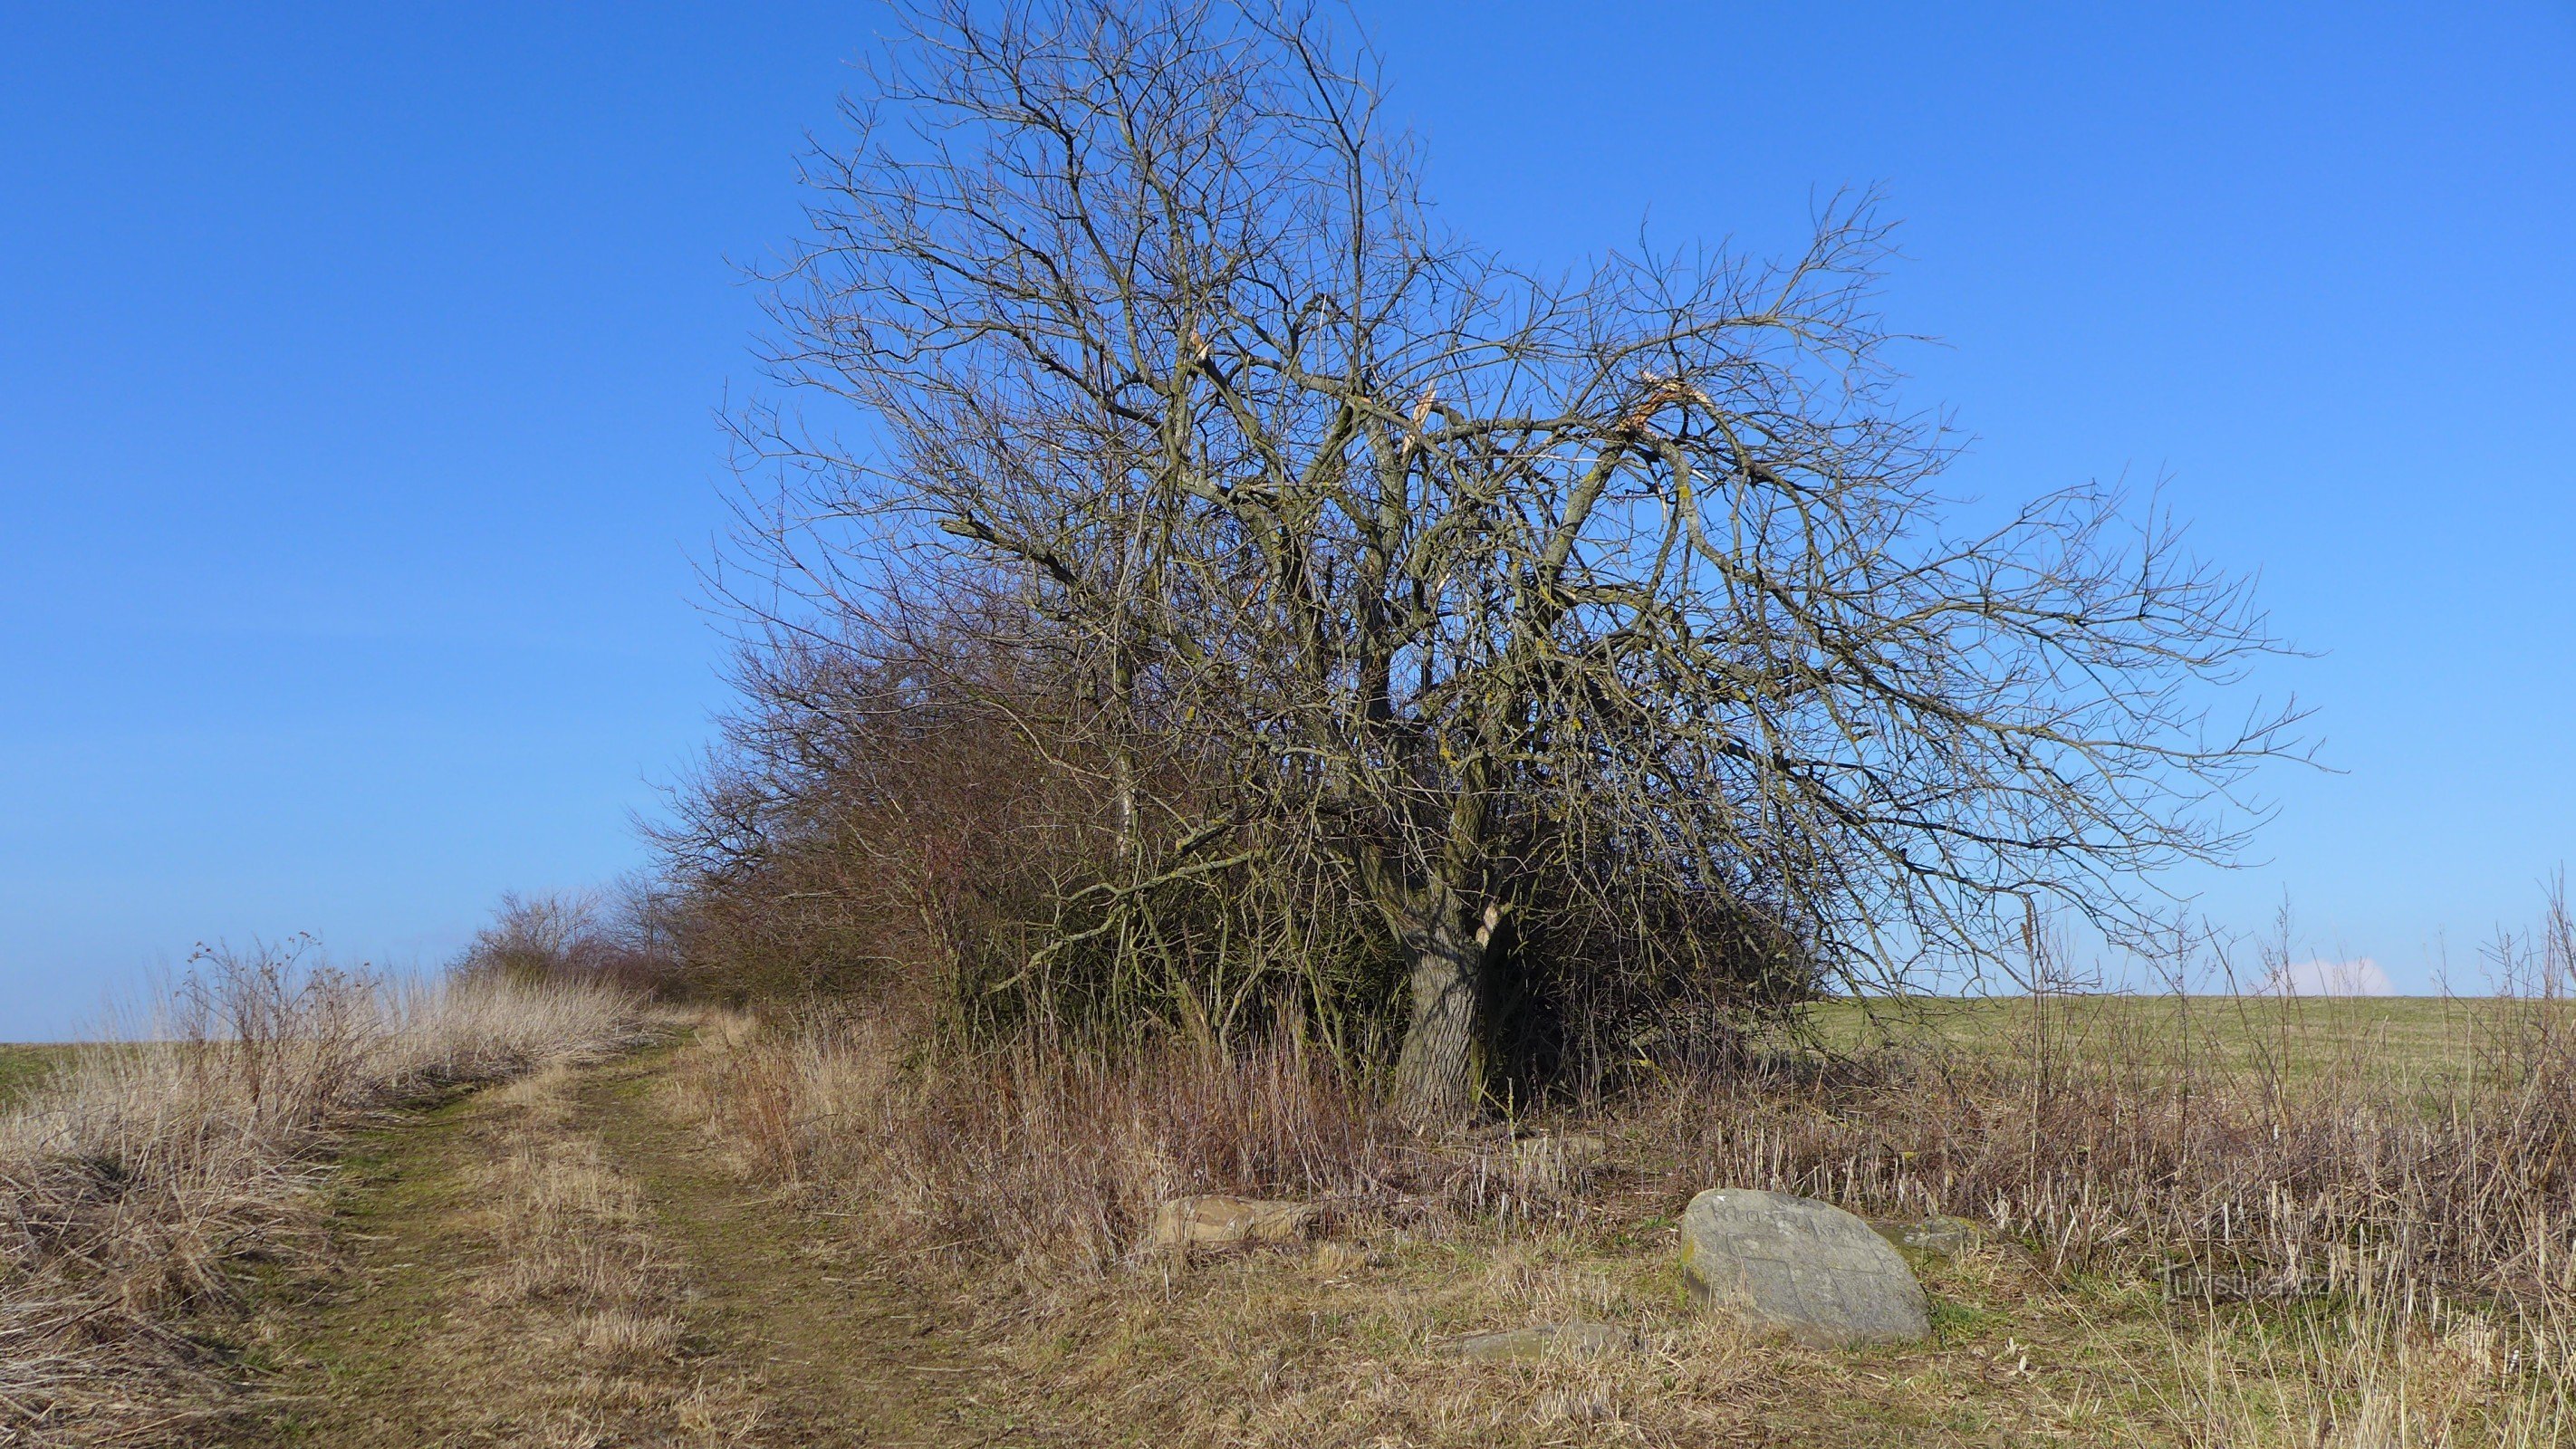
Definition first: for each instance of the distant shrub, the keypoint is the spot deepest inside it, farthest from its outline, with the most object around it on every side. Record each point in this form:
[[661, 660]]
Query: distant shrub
[[616, 940]]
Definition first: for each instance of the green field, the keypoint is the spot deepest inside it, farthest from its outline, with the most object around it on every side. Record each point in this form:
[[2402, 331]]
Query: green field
[[2427, 1039], [22, 1067]]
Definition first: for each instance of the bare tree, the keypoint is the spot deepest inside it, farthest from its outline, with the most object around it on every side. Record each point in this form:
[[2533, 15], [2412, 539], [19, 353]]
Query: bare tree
[[1625, 597]]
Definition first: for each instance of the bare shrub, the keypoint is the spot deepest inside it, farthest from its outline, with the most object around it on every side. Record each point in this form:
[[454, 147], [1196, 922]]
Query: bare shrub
[[622, 937], [887, 817], [145, 1182], [1432, 639]]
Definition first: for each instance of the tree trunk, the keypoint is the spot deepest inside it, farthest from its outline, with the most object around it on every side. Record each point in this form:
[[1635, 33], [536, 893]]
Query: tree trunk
[[1440, 1073]]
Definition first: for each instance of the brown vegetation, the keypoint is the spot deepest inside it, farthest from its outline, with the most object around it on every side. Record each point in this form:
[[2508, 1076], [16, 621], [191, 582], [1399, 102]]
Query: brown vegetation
[[620, 938], [2224, 1246], [2129, 1151], [1254, 610]]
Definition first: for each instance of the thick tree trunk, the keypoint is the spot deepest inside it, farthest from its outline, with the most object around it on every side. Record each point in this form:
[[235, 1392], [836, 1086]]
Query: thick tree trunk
[[1441, 1071]]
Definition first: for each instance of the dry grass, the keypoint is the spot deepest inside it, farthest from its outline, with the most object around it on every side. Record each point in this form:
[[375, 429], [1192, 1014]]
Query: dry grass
[[581, 1312], [142, 1186], [2121, 1152], [1055, 1160], [2202, 1239]]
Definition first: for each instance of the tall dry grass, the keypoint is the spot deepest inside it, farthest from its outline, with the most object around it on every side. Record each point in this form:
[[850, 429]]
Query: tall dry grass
[[142, 1186], [2401, 1240], [2128, 1150], [1055, 1159]]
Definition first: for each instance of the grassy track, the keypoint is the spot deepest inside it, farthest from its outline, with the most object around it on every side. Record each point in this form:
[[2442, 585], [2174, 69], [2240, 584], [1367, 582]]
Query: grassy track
[[571, 1260], [560, 1263]]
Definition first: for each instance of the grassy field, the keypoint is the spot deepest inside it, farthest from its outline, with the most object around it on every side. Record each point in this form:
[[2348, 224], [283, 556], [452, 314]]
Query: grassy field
[[2435, 1039], [2325, 1265], [22, 1067], [2398, 1041], [758, 1234]]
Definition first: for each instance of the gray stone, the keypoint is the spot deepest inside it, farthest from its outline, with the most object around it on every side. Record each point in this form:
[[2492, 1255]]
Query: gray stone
[[1219, 1222], [1585, 1339], [1795, 1264], [1939, 1234]]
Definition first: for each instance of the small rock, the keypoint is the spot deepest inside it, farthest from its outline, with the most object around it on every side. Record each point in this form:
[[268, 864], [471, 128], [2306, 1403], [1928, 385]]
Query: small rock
[[1939, 1234], [1584, 1339], [1214, 1221], [1795, 1264], [1944, 1236]]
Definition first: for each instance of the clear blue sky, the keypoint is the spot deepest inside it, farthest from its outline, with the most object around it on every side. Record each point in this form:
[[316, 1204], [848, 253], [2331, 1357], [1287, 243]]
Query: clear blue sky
[[356, 371]]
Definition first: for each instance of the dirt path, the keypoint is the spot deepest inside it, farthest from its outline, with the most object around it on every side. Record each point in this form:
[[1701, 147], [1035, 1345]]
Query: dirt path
[[560, 1262]]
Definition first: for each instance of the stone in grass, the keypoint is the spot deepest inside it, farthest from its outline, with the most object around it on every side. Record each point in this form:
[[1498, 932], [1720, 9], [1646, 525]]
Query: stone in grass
[[1939, 1234], [1582, 1339], [1213, 1221], [1801, 1266], [1944, 1236]]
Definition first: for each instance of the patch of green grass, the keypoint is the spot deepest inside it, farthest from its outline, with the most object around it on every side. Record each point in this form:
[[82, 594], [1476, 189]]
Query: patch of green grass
[[2422, 1039], [1955, 1322], [23, 1067]]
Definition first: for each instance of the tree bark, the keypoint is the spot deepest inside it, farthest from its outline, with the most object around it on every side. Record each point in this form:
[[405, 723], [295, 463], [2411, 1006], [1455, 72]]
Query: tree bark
[[1441, 1071]]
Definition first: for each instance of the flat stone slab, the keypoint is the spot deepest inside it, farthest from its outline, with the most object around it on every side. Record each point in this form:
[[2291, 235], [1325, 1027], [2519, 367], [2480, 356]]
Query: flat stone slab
[[1800, 1266], [1213, 1221], [1525, 1343], [1941, 1233]]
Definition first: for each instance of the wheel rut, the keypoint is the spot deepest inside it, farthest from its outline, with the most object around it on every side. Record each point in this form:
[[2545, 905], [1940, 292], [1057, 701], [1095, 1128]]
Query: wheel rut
[[562, 1262], [849, 1356]]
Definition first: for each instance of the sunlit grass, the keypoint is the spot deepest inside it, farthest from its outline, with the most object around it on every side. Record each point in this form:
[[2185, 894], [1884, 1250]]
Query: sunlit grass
[[2399, 1041], [22, 1067]]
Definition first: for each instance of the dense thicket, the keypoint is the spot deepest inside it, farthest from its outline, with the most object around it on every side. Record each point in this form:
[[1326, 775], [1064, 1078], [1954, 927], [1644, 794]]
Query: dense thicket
[[1239, 606]]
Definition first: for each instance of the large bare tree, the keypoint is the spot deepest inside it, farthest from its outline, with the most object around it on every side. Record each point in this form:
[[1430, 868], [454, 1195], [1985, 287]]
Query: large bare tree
[[1627, 592]]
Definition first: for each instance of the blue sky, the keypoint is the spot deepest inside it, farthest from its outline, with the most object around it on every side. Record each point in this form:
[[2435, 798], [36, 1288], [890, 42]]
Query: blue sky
[[357, 369]]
